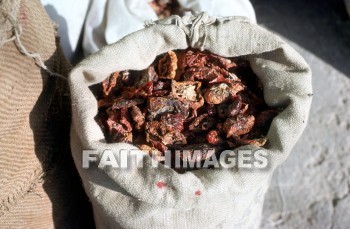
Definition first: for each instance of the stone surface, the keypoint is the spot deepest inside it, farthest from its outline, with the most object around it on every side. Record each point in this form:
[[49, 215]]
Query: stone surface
[[311, 189]]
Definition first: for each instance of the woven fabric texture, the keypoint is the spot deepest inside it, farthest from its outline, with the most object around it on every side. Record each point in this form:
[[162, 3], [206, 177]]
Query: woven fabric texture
[[230, 198]]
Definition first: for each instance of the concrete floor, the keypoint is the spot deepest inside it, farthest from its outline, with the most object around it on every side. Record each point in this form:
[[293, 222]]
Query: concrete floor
[[311, 189]]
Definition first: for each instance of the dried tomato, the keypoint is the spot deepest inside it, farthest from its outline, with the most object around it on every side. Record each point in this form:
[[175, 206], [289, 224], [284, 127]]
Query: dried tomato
[[213, 137], [167, 66], [109, 83], [239, 125], [186, 100]]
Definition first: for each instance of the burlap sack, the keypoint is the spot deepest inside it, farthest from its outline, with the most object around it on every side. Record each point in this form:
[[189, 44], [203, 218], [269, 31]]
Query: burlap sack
[[230, 198], [39, 186]]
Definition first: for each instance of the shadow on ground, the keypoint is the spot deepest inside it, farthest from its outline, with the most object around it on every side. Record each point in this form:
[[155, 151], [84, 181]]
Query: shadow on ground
[[322, 27]]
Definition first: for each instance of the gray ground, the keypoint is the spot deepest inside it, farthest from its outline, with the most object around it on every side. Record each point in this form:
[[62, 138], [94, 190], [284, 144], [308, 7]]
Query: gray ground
[[311, 189]]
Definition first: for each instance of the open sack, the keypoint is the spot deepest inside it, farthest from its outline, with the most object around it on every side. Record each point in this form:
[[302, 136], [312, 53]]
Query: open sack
[[229, 198]]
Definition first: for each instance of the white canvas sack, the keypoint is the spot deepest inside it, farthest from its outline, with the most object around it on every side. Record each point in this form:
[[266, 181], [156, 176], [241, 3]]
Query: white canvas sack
[[205, 198]]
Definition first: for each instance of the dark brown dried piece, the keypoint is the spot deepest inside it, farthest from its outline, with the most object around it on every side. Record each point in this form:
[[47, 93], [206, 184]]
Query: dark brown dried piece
[[226, 110], [265, 117]]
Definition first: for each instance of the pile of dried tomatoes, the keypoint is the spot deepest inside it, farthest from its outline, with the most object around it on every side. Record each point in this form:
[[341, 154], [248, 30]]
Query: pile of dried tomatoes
[[187, 99]]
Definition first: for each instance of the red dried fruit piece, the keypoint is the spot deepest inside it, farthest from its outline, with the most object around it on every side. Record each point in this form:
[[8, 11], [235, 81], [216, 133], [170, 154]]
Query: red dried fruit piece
[[160, 105], [109, 83], [197, 73], [167, 66], [239, 125], [126, 103], [170, 123], [216, 78], [113, 117], [162, 85], [158, 145], [161, 88], [193, 58], [213, 137], [174, 138], [167, 130], [197, 121], [235, 88], [217, 93], [118, 126], [138, 117], [185, 90], [244, 108], [145, 90], [125, 119], [234, 108], [190, 59], [152, 128], [188, 92], [127, 137], [224, 62], [160, 93], [202, 123], [220, 75]]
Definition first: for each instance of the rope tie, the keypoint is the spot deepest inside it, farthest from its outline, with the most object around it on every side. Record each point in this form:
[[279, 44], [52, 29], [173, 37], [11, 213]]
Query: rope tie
[[194, 26]]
